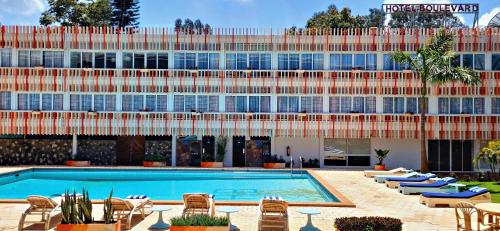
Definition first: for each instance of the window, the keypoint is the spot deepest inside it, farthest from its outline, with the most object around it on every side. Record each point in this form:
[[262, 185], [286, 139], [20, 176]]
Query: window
[[479, 61], [87, 59], [184, 103], [358, 104], [241, 61], [138, 61], [288, 61], [353, 61], [104, 103], [472, 61], [128, 60], [346, 61], [495, 62], [5, 57], [76, 60], [162, 60], [478, 105], [53, 59], [443, 106], [411, 105], [347, 152], [259, 103], [371, 61], [151, 61], [359, 61], [495, 105], [208, 103], [312, 104], [231, 61], [236, 104], [259, 61], [306, 61], [312, 61], [371, 104], [288, 104], [52, 102], [454, 105], [318, 61], [388, 105], [345, 104], [388, 62], [161, 103], [150, 103], [399, 105], [236, 61], [5, 99], [467, 107], [33, 58], [95, 60], [334, 104], [335, 63]]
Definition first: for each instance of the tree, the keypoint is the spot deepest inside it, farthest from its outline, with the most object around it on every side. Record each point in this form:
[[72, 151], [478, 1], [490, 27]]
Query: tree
[[178, 24], [376, 18], [332, 18], [77, 13], [490, 155], [189, 26], [432, 64], [425, 20], [125, 13]]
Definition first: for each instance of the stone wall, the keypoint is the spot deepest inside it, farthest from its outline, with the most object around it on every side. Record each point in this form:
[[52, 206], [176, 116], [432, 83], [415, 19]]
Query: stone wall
[[99, 152], [162, 147], [34, 151]]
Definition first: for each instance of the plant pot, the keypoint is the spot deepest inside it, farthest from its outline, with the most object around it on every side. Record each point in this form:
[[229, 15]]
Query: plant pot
[[212, 164], [153, 164], [199, 228], [274, 165], [78, 163], [89, 227], [379, 167]]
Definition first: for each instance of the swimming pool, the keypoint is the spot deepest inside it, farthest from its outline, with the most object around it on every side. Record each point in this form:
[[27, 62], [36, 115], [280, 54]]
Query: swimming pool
[[166, 184]]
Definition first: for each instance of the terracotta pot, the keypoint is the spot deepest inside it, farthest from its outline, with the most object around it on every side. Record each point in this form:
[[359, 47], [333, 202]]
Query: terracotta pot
[[274, 165], [212, 164], [89, 227], [199, 228], [379, 167], [153, 164], [78, 163]]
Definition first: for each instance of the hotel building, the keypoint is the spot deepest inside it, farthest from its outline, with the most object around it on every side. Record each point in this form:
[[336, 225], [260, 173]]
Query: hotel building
[[331, 95]]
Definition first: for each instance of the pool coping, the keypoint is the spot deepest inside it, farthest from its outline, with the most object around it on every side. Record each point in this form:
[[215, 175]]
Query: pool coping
[[343, 201]]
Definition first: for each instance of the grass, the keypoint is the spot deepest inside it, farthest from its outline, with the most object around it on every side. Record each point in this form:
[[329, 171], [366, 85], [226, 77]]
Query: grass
[[493, 187]]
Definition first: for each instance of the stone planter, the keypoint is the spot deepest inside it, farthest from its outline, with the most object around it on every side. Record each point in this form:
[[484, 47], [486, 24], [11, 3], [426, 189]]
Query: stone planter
[[274, 165], [78, 163], [379, 167], [212, 164], [153, 164], [89, 227], [199, 228]]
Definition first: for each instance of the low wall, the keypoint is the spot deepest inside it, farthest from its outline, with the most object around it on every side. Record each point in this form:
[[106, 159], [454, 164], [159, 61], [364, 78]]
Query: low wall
[[162, 147], [34, 151], [99, 152]]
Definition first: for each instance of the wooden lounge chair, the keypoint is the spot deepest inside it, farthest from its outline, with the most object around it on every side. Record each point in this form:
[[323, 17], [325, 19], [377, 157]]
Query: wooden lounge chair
[[394, 172], [273, 214], [126, 208], [198, 203], [473, 195], [39, 206], [393, 182]]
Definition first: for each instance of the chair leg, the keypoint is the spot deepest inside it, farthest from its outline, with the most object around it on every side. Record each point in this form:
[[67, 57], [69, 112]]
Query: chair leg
[[20, 226]]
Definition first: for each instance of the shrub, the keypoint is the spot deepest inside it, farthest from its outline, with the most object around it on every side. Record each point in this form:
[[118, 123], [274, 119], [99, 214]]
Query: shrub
[[155, 158], [368, 223], [273, 159], [199, 220]]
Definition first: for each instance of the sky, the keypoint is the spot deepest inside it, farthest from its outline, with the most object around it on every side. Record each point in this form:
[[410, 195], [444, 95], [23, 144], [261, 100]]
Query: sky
[[235, 13]]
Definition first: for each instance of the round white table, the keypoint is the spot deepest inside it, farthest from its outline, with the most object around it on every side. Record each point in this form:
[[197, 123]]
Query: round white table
[[309, 226], [160, 224], [228, 210]]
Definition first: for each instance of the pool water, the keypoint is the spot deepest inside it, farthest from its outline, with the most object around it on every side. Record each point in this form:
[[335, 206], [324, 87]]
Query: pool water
[[159, 184]]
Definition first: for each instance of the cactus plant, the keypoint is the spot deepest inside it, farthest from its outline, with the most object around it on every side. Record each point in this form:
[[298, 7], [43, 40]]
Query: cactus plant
[[76, 210], [108, 209], [85, 208]]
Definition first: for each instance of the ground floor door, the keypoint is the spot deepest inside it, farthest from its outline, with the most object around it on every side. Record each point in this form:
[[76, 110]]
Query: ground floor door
[[208, 148], [450, 155], [188, 151], [256, 148], [238, 151], [130, 150]]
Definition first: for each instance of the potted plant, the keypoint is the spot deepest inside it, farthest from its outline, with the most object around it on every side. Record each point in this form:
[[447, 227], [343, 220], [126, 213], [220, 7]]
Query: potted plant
[[199, 223], [368, 223], [381, 155], [77, 214], [154, 160], [272, 161], [220, 152], [78, 161]]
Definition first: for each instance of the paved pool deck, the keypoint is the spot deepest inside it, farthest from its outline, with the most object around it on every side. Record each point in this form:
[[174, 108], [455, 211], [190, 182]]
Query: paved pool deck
[[370, 198]]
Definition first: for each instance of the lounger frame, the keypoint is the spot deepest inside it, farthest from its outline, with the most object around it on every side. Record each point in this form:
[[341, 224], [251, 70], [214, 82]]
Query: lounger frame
[[126, 208], [393, 172], [452, 202], [39, 206]]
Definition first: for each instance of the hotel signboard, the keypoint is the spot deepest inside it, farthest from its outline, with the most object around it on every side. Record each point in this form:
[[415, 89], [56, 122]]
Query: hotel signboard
[[430, 8]]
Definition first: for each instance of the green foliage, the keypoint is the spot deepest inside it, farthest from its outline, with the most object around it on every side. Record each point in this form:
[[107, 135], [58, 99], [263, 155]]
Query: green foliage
[[273, 159], [77, 13], [490, 155], [381, 155], [155, 158], [199, 220], [368, 223], [220, 144], [425, 20], [189, 26], [125, 13], [76, 210], [333, 18], [108, 209]]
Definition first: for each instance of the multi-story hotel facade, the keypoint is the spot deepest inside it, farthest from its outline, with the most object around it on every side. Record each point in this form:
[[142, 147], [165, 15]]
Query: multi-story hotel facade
[[332, 95]]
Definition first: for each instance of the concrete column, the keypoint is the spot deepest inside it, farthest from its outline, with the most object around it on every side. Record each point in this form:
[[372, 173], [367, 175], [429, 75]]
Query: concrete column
[[273, 145], [174, 149], [74, 147]]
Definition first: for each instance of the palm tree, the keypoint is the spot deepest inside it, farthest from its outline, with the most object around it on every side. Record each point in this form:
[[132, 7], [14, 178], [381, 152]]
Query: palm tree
[[432, 64]]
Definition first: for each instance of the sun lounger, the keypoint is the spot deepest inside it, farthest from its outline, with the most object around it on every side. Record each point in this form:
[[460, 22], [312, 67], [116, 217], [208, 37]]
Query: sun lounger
[[441, 185], [473, 195], [198, 203], [126, 208], [382, 178], [393, 172], [39, 206], [273, 214], [393, 182]]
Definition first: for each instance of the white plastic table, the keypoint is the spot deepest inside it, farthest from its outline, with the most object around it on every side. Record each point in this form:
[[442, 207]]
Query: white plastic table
[[160, 224], [455, 187], [309, 226], [228, 210]]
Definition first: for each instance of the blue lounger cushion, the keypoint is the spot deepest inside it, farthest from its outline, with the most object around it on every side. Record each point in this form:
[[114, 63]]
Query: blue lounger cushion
[[437, 184], [137, 197], [275, 198], [420, 178], [472, 192]]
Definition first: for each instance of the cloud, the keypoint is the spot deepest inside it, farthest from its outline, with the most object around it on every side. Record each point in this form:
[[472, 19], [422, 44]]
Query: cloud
[[388, 17], [485, 18], [22, 8]]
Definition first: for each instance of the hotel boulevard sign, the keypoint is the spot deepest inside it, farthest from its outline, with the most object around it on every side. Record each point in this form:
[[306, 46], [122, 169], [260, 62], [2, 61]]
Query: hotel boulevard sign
[[430, 8]]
